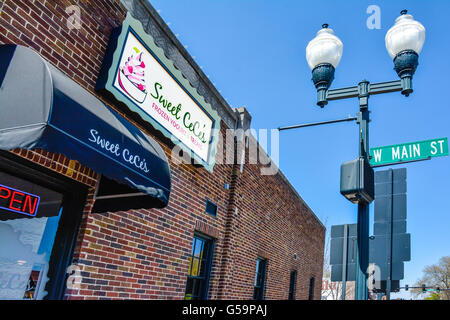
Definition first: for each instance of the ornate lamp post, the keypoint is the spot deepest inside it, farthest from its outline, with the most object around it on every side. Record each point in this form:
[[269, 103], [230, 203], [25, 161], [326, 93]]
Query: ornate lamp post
[[404, 42], [323, 54]]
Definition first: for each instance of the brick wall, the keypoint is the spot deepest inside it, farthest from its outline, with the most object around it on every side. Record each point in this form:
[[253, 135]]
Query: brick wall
[[60, 164], [271, 223], [144, 254]]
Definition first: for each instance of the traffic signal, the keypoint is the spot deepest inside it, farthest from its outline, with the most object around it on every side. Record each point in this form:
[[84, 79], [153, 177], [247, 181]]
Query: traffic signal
[[406, 287], [438, 290], [424, 289]]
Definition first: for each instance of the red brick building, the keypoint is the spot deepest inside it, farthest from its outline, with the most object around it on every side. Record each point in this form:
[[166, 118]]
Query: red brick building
[[227, 231]]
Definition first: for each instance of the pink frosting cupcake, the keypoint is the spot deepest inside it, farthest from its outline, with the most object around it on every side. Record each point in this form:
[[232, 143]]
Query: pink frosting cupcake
[[131, 78]]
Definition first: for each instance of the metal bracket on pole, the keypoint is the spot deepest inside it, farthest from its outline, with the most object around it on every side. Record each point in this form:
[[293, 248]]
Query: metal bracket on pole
[[399, 162], [372, 89], [317, 123]]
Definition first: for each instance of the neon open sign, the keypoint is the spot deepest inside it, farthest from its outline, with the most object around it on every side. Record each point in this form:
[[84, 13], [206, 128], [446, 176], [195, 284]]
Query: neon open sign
[[18, 201]]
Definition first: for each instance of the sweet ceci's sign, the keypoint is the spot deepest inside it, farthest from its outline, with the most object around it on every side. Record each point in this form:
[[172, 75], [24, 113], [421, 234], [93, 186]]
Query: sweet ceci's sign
[[138, 74]]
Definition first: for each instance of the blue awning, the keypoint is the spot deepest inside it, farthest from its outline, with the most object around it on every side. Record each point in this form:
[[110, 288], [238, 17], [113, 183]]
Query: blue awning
[[42, 108]]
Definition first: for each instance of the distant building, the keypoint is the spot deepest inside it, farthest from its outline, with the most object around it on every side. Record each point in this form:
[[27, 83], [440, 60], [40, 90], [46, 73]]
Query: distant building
[[333, 290]]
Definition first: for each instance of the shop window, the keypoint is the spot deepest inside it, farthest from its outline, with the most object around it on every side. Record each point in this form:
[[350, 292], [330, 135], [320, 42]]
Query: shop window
[[292, 284], [199, 268], [40, 215], [311, 289], [260, 279], [211, 208], [29, 219]]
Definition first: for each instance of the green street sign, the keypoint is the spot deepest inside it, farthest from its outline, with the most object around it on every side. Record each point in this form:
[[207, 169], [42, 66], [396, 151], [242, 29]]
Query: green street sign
[[406, 152]]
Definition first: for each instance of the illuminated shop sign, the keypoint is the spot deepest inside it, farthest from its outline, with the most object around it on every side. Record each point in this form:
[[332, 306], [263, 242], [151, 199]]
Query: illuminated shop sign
[[18, 201], [138, 74]]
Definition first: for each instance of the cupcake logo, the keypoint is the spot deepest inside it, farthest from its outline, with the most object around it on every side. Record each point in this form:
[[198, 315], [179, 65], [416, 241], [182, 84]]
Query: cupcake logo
[[131, 77]]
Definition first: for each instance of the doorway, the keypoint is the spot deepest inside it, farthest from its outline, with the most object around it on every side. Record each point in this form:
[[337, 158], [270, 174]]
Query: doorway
[[40, 215]]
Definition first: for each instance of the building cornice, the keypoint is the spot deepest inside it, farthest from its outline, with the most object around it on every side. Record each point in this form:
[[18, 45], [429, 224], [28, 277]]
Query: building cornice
[[174, 50]]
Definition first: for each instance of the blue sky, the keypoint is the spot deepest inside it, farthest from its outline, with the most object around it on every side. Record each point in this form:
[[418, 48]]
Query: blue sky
[[254, 53]]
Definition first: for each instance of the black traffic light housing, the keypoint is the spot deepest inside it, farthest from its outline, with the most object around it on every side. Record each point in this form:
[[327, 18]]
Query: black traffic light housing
[[357, 181], [424, 288]]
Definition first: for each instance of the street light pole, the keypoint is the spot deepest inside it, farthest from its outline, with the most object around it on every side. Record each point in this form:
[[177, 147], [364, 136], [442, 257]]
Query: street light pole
[[362, 256], [363, 91], [404, 42]]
